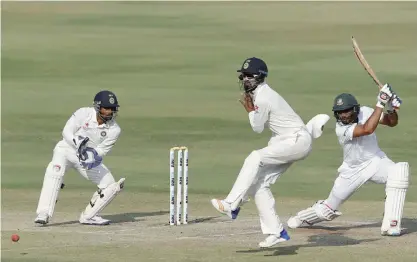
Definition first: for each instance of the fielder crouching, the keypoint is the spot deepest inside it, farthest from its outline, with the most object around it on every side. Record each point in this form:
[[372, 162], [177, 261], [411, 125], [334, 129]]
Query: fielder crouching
[[88, 136], [363, 161]]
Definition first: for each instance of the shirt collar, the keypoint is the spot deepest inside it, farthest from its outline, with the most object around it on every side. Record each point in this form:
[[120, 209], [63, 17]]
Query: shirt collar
[[104, 125], [258, 89]]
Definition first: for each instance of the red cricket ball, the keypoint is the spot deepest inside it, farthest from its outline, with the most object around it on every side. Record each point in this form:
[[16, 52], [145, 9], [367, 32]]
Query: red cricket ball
[[15, 237]]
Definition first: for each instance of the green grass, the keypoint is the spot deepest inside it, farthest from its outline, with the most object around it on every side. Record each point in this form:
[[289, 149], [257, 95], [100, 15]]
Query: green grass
[[173, 68]]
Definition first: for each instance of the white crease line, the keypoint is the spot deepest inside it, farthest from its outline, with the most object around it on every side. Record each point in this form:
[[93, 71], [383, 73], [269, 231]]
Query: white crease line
[[113, 231], [120, 241], [121, 228], [116, 233], [81, 232], [219, 235], [49, 247], [346, 222]]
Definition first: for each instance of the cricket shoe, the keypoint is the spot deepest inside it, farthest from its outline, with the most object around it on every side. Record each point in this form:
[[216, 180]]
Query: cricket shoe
[[225, 208], [272, 240], [42, 219], [96, 220], [391, 232], [390, 228]]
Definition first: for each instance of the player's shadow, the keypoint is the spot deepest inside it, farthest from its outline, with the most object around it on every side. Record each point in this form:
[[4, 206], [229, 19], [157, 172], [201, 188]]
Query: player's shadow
[[119, 218], [408, 225], [335, 228], [321, 240], [132, 217], [203, 220], [191, 221]]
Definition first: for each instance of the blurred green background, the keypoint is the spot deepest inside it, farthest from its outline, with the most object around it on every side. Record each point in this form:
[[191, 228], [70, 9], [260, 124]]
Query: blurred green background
[[173, 68]]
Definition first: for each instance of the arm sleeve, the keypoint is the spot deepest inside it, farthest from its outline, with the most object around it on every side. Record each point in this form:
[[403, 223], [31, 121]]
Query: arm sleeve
[[259, 117], [72, 126], [367, 112], [104, 147]]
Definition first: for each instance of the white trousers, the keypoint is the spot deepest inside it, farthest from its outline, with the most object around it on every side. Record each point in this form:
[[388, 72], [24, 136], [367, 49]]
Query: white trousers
[[62, 159], [349, 181], [261, 169], [67, 158]]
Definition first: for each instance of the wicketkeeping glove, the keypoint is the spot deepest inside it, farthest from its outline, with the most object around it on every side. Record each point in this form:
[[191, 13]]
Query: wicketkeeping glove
[[90, 158], [81, 145]]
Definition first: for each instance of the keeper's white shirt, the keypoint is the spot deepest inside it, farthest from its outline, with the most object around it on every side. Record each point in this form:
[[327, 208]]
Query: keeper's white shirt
[[84, 123]]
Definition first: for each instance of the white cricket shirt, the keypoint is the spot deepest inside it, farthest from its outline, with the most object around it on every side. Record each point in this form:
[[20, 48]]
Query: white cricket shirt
[[359, 150], [84, 123], [271, 110]]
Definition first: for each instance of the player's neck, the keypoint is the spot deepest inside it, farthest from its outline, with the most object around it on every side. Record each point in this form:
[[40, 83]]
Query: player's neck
[[99, 120]]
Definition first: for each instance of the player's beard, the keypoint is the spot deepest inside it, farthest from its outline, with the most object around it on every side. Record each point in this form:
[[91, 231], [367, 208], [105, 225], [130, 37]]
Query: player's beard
[[107, 118], [248, 84], [348, 119]]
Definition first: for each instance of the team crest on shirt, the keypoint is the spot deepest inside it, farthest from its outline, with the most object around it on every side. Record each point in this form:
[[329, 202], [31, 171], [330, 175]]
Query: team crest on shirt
[[57, 168], [103, 133]]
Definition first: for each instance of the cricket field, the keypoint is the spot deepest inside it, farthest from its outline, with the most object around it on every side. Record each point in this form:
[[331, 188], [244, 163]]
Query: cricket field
[[173, 67]]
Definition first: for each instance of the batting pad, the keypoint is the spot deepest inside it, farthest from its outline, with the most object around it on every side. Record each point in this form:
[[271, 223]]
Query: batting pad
[[102, 198], [319, 212], [52, 181], [396, 189]]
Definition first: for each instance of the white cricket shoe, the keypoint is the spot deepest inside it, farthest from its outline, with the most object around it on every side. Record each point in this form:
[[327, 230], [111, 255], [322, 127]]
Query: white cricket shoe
[[96, 220], [391, 232], [294, 222], [225, 208], [272, 240], [42, 219], [390, 228]]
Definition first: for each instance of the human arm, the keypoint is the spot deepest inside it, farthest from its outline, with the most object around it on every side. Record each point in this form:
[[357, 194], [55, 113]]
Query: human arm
[[258, 114], [72, 125], [92, 157], [370, 125], [373, 117], [383, 98], [107, 144], [390, 118]]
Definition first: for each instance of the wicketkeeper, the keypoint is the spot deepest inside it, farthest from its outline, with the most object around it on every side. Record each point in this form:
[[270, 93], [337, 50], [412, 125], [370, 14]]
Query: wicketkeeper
[[88, 136]]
